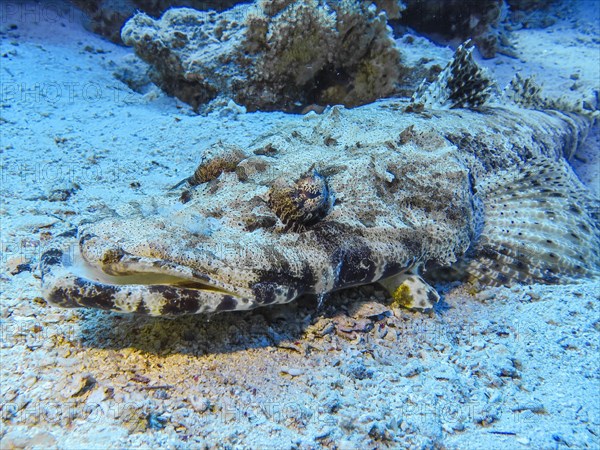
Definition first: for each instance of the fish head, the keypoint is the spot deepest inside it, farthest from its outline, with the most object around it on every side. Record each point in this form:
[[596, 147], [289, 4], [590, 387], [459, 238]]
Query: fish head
[[292, 215]]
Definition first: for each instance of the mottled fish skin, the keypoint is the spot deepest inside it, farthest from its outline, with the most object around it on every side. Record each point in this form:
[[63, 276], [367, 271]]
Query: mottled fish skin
[[408, 191]]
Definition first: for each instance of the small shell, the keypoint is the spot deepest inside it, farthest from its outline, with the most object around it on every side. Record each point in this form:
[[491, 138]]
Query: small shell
[[305, 203], [217, 159]]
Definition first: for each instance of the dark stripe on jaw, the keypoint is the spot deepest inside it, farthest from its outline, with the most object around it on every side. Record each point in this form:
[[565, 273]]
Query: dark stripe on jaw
[[282, 283], [264, 292], [179, 301], [63, 297], [94, 295], [227, 304]]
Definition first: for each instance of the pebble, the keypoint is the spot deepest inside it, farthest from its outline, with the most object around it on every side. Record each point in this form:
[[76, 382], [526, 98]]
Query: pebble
[[533, 405], [459, 426], [327, 329], [42, 440], [97, 396], [78, 385], [391, 336], [294, 372], [357, 369], [14, 439], [200, 404], [15, 264], [323, 434], [30, 381], [478, 345], [372, 310], [485, 295], [448, 428], [346, 444], [331, 402], [363, 326], [411, 369]]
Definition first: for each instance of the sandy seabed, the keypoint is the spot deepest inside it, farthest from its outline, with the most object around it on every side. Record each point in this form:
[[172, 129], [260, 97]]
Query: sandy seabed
[[505, 368]]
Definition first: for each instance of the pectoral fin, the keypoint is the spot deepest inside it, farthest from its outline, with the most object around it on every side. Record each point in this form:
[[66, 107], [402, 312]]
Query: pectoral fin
[[410, 291], [539, 226]]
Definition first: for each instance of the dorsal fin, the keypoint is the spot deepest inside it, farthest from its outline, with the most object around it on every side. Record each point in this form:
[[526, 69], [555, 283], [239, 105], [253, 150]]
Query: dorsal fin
[[462, 84], [539, 226]]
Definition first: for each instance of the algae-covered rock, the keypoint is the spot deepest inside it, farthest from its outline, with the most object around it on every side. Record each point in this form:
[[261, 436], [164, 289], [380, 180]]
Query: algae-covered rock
[[106, 17], [281, 55]]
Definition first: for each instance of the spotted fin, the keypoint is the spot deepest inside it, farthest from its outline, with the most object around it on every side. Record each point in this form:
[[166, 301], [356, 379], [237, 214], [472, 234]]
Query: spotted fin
[[539, 225], [410, 291], [462, 84]]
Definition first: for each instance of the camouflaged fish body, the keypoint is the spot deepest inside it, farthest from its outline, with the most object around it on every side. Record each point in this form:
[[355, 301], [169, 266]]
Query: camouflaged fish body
[[348, 198]]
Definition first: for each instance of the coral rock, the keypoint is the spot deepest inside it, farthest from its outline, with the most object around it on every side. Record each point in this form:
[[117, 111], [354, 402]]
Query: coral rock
[[280, 55], [106, 17]]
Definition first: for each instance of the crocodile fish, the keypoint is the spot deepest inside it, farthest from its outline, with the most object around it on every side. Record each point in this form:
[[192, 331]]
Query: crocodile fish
[[389, 192]]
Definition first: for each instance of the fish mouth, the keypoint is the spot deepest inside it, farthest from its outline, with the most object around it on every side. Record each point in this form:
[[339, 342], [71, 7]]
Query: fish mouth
[[136, 270], [134, 284]]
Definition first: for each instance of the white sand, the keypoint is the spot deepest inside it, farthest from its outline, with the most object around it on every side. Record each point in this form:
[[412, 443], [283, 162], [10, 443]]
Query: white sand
[[507, 368]]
